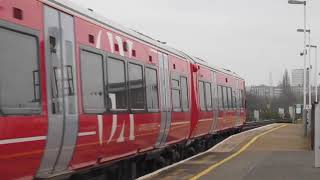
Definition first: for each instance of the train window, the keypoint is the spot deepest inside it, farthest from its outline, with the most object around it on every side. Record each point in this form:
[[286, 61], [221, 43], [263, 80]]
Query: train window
[[69, 70], [208, 96], [70, 78], [175, 84], [176, 100], [240, 99], [152, 89], [176, 94], [184, 93], [225, 98], [234, 99], [220, 97], [214, 97], [19, 74], [117, 89], [202, 96], [229, 97], [92, 90], [136, 88], [237, 99]]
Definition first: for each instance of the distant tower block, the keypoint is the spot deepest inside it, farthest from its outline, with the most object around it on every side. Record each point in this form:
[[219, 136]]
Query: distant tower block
[[271, 85], [270, 79]]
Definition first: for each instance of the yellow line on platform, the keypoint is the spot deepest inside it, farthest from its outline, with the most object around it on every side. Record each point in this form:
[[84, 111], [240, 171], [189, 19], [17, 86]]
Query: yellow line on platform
[[245, 147]]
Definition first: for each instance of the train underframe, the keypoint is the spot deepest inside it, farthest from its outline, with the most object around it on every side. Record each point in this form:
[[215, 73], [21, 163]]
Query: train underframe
[[139, 165]]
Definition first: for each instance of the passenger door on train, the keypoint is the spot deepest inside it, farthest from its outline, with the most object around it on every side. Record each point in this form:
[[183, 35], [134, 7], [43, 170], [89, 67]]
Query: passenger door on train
[[230, 111], [165, 98], [215, 104], [237, 103], [61, 92], [222, 107]]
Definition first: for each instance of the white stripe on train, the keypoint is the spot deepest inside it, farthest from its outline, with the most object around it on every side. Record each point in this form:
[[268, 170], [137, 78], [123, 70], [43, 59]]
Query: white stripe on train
[[20, 140], [81, 134], [87, 133]]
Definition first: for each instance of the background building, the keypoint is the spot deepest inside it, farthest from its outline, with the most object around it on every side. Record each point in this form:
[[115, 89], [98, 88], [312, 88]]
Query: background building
[[277, 91], [297, 77], [296, 87], [265, 91]]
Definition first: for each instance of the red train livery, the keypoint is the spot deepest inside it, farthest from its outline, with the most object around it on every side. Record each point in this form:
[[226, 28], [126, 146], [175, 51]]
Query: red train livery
[[78, 91]]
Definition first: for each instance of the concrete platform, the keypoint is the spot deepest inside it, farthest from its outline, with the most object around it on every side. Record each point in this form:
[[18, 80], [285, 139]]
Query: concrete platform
[[277, 152]]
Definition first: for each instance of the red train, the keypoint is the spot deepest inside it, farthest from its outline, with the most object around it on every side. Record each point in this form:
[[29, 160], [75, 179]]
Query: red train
[[78, 92]]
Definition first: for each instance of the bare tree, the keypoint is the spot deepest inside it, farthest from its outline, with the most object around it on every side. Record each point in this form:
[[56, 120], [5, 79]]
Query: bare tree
[[286, 98]]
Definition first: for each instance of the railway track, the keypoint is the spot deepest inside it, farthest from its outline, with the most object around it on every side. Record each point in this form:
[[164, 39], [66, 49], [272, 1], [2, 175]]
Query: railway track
[[255, 124]]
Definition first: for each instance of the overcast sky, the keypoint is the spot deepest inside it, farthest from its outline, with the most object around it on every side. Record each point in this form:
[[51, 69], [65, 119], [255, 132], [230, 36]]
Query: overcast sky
[[250, 37]]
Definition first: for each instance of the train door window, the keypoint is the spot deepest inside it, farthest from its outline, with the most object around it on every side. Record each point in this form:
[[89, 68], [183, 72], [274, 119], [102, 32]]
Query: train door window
[[176, 93], [202, 96], [184, 93], [240, 99], [214, 97], [92, 82], [229, 97], [234, 99], [117, 88], [19, 74], [175, 83], [152, 89], [225, 98], [220, 97], [208, 96], [136, 86]]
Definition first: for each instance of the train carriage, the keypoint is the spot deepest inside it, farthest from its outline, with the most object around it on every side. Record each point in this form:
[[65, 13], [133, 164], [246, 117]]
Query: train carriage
[[78, 91], [219, 99]]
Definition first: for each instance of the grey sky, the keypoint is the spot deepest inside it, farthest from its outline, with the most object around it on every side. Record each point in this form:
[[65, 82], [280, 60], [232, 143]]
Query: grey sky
[[250, 37]]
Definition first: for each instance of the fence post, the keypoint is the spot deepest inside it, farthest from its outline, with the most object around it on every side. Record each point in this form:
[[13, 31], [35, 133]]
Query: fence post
[[317, 135]]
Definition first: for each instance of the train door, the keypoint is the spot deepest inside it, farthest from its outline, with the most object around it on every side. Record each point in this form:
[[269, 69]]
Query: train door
[[237, 105], [215, 104], [165, 97], [242, 104], [61, 92], [223, 111]]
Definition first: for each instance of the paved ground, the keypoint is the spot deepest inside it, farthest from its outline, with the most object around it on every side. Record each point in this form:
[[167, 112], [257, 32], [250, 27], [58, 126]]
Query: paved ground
[[282, 154]]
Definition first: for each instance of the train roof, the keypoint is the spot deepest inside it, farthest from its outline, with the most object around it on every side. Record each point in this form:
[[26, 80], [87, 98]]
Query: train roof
[[215, 68], [138, 35], [106, 22]]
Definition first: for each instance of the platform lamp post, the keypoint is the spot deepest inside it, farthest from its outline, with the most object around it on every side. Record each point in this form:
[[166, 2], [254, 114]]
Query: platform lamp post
[[315, 71], [304, 3], [309, 65]]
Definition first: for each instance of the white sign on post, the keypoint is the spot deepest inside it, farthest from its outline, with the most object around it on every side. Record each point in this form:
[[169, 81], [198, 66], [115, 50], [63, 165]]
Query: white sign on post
[[298, 109], [256, 115], [281, 112]]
